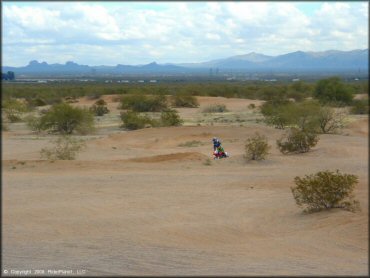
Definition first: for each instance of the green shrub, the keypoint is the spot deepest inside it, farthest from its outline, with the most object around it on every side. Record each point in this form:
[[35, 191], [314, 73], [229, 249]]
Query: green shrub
[[34, 123], [143, 103], [332, 90], [133, 120], [304, 115], [256, 147], [65, 119], [297, 141], [185, 101], [65, 148], [308, 116], [277, 113], [100, 102], [13, 109], [329, 120], [71, 99], [37, 102], [216, 108], [99, 110], [325, 190], [360, 106], [170, 117]]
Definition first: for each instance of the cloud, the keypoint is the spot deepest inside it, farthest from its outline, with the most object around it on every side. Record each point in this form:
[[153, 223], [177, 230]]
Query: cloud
[[140, 32]]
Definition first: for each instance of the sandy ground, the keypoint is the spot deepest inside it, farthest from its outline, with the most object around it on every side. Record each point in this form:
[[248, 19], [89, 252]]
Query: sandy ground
[[137, 203]]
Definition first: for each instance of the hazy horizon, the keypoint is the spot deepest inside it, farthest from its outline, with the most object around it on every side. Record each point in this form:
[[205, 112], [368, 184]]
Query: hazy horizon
[[137, 33], [65, 62]]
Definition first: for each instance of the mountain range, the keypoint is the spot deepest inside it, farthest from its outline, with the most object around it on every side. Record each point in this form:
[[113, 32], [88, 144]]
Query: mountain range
[[299, 61]]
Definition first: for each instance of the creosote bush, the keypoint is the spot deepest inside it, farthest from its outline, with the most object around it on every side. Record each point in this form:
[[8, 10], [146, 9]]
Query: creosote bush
[[333, 90], [329, 120], [297, 141], [99, 108], [360, 106], [65, 148], [326, 190], [216, 108], [185, 101], [133, 120], [144, 103], [65, 119], [256, 147], [13, 109], [170, 117], [277, 113]]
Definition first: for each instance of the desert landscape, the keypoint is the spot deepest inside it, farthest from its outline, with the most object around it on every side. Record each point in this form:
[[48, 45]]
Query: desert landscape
[[152, 202]]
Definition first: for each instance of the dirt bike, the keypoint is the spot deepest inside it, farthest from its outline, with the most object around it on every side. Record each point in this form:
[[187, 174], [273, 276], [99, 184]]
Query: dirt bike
[[220, 154]]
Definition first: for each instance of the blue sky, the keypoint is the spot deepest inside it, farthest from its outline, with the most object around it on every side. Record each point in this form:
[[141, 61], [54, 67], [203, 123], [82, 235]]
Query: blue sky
[[110, 33]]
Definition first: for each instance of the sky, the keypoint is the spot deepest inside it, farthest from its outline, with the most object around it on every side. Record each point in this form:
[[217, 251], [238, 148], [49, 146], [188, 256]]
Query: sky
[[133, 33]]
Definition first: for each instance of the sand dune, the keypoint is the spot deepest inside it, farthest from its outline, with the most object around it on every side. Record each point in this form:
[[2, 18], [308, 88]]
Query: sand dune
[[142, 203]]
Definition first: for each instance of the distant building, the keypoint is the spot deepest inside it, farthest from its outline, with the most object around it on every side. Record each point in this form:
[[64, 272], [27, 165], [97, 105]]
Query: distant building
[[295, 79], [153, 81]]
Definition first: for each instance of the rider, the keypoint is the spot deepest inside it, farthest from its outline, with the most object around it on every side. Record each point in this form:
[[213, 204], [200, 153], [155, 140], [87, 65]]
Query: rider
[[216, 143], [218, 149]]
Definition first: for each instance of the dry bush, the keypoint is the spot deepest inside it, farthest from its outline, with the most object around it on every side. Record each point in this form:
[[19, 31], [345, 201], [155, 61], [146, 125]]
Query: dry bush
[[170, 117], [99, 108], [256, 147], [65, 148], [360, 106], [13, 109], [185, 101], [133, 120], [297, 141], [329, 120], [143, 103], [216, 108], [325, 190]]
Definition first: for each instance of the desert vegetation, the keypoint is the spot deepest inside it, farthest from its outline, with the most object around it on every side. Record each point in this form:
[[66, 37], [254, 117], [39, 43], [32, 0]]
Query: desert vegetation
[[325, 190], [360, 107], [297, 141], [334, 91], [13, 109], [64, 147], [144, 103], [256, 147], [131, 177], [170, 117], [133, 120], [99, 108], [64, 119], [184, 100], [216, 108]]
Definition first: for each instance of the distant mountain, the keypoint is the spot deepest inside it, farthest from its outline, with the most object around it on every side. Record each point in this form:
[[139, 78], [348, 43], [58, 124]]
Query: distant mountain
[[331, 60]]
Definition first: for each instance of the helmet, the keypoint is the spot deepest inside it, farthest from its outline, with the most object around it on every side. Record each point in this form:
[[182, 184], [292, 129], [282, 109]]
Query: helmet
[[214, 139]]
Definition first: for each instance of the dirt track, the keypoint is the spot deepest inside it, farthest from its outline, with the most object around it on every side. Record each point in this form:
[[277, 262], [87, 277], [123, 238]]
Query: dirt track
[[137, 203]]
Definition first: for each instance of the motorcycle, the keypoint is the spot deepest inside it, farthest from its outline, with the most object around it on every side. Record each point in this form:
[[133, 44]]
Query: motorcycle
[[220, 154]]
